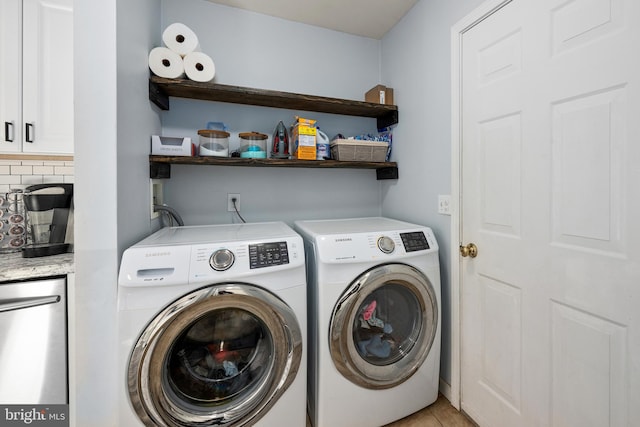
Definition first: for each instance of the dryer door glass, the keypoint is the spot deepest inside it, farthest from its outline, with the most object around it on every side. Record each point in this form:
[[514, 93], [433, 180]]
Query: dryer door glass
[[387, 324], [220, 355], [383, 326]]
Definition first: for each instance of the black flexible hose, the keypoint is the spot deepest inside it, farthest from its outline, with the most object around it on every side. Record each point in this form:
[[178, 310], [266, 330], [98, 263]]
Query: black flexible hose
[[174, 213]]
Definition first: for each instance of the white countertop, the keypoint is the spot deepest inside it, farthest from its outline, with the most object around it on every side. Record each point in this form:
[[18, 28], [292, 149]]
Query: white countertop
[[14, 267]]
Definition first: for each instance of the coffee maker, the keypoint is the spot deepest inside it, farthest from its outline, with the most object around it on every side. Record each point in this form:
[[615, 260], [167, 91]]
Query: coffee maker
[[49, 219]]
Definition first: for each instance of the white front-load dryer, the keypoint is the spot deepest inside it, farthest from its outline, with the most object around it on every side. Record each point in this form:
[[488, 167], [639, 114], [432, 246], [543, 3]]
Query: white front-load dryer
[[374, 320], [212, 327]]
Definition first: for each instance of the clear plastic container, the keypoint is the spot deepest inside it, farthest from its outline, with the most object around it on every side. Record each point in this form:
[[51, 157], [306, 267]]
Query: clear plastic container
[[12, 221], [213, 143], [253, 145]]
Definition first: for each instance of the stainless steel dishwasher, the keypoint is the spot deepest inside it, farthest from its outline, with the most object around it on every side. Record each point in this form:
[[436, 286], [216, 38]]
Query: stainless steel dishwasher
[[33, 342]]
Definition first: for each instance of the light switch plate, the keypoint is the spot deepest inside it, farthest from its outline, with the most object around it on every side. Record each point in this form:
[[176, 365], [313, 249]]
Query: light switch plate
[[444, 204]]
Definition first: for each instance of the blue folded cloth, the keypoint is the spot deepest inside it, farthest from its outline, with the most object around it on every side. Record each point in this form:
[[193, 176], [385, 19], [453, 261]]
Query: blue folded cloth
[[379, 348], [375, 347]]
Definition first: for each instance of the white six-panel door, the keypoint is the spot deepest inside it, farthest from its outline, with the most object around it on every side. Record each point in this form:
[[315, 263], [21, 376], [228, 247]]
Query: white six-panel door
[[549, 181]]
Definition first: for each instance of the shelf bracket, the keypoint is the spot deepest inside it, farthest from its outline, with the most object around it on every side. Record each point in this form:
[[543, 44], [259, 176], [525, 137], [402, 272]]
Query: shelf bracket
[[159, 170], [158, 97], [389, 119], [387, 173]]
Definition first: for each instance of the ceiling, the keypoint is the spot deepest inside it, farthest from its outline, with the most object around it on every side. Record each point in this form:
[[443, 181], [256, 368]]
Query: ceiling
[[367, 18]]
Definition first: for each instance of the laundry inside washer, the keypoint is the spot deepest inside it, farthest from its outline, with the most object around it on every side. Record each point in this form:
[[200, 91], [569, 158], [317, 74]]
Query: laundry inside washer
[[221, 355]]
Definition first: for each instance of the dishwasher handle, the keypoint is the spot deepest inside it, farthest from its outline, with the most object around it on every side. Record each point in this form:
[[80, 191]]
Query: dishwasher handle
[[21, 303]]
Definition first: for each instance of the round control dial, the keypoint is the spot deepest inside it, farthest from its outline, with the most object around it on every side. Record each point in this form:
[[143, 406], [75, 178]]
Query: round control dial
[[386, 244], [221, 259]]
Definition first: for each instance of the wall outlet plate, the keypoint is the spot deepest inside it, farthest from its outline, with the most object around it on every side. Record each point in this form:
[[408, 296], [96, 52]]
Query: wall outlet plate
[[230, 197], [156, 196]]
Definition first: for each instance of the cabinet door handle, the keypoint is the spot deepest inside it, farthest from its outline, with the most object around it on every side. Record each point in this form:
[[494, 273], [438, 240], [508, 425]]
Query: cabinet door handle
[[22, 303], [8, 130], [29, 132]]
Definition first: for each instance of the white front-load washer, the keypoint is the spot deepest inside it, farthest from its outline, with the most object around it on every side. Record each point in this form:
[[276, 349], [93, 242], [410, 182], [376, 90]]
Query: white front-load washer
[[374, 320], [212, 327]]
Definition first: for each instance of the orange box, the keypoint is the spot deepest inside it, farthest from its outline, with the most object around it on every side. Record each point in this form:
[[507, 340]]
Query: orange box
[[303, 135]]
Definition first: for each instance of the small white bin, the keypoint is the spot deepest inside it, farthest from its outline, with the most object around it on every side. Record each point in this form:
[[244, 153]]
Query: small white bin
[[171, 146]]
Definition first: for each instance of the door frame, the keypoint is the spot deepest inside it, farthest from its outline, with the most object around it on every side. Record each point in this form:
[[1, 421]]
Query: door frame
[[486, 9]]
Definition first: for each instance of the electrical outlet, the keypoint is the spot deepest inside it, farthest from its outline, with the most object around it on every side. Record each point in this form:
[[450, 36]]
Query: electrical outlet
[[230, 197], [156, 196], [444, 204]]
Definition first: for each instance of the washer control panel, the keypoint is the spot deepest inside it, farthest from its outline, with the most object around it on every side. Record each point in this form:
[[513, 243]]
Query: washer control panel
[[237, 259], [201, 254], [268, 254]]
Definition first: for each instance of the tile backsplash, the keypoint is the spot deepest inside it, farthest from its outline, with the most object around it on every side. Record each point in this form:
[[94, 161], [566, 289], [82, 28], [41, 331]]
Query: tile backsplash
[[20, 173]]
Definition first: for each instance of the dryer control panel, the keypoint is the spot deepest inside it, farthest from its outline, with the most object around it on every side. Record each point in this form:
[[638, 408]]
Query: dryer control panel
[[386, 246], [414, 241]]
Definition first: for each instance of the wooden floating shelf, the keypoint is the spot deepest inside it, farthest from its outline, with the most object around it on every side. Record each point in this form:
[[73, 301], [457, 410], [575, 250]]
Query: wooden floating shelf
[[160, 165], [160, 89]]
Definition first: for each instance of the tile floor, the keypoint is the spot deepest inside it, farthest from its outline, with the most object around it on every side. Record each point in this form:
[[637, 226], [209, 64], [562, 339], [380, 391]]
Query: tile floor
[[439, 414]]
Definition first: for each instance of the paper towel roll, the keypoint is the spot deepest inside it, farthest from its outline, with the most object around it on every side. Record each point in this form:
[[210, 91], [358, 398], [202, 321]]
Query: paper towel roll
[[180, 39], [164, 62], [199, 67]]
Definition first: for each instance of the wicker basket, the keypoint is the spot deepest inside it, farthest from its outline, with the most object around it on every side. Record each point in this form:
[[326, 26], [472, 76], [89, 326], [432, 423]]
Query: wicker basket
[[359, 151]]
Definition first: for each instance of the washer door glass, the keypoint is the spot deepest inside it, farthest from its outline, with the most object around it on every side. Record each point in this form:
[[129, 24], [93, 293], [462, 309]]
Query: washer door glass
[[220, 355], [223, 354], [383, 326]]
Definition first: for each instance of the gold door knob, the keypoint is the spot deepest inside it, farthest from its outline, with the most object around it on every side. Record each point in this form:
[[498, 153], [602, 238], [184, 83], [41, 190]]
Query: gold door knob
[[470, 250]]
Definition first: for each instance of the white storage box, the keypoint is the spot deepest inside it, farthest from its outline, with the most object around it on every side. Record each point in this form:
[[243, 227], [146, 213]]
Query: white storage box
[[359, 151], [170, 146]]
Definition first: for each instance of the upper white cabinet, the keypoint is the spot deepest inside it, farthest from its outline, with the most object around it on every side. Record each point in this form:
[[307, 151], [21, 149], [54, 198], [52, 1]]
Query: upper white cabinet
[[36, 76]]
